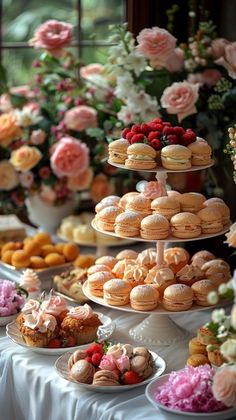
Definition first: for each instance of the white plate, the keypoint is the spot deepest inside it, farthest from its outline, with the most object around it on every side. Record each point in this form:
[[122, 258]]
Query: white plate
[[61, 366], [4, 320], [169, 238], [229, 413], [109, 243], [161, 169], [103, 333]]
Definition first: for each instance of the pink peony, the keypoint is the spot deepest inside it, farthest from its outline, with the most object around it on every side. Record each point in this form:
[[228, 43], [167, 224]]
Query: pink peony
[[80, 182], [229, 59], [52, 36], [37, 137], [70, 157], [224, 385], [157, 44], [218, 47], [123, 363], [91, 69], [180, 98], [80, 118]]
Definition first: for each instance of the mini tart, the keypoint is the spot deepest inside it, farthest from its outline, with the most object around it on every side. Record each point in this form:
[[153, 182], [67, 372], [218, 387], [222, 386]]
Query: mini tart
[[214, 355]]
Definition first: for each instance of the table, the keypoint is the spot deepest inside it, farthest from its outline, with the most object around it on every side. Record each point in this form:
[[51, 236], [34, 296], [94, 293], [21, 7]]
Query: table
[[32, 390]]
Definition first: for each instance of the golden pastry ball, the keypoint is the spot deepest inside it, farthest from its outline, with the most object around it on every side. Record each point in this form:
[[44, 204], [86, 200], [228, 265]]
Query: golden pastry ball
[[32, 248], [54, 259], [11, 246], [70, 251], [20, 259], [27, 240], [59, 247], [44, 238], [7, 256], [47, 249], [37, 262], [84, 261]]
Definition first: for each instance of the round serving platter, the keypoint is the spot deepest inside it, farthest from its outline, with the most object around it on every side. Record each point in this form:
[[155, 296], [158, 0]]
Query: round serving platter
[[161, 169]]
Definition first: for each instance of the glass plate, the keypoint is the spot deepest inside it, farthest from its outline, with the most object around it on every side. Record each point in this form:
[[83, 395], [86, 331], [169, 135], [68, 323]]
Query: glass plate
[[61, 366], [217, 415], [104, 332]]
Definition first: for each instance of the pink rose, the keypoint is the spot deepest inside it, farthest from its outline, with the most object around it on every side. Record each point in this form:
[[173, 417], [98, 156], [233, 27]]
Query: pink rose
[[218, 47], [156, 44], [80, 118], [180, 98], [5, 103], [209, 77], [70, 157], [100, 188], [37, 137], [229, 59], [91, 69], [107, 362], [80, 182], [154, 189], [23, 90], [224, 385], [175, 61], [52, 36], [26, 179], [123, 363]]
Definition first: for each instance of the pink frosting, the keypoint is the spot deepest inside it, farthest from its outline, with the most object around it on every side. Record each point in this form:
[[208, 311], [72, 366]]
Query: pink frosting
[[81, 312], [30, 280], [54, 306], [30, 306], [108, 362], [40, 321], [123, 363]]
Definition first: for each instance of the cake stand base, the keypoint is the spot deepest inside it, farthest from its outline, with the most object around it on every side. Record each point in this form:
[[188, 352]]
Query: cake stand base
[[158, 330]]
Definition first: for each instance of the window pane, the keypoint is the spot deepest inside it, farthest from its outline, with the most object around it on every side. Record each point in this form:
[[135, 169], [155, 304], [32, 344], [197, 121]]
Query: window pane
[[94, 55]]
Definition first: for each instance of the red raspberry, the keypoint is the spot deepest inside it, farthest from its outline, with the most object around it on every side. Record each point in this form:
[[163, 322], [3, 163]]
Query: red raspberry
[[153, 135], [168, 130], [156, 144], [157, 120], [131, 378], [88, 359], [156, 127], [173, 139], [179, 131], [166, 124], [187, 139], [137, 138], [94, 348], [135, 129], [54, 343], [96, 359], [125, 132], [145, 129], [129, 136], [117, 372]]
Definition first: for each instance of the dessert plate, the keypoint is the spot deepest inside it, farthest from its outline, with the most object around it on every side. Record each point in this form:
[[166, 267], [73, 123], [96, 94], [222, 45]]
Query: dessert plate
[[4, 320], [152, 387], [161, 169], [61, 366], [103, 333], [110, 243]]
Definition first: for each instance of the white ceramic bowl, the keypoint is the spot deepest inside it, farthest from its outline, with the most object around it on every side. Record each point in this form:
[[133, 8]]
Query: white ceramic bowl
[[4, 320]]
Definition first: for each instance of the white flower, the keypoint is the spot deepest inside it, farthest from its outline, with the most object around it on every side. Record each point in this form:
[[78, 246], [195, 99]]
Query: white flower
[[222, 289], [26, 117], [228, 349], [117, 52], [218, 315], [212, 298], [127, 115], [136, 62], [26, 179], [124, 85], [141, 101], [100, 85]]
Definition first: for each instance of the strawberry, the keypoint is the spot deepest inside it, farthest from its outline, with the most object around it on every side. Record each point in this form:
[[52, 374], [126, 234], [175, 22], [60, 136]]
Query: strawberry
[[137, 138], [117, 372], [96, 359], [88, 359], [153, 135], [125, 132], [131, 378], [129, 136], [94, 348], [145, 129], [173, 139], [70, 341], [54, 343], [156, 144], [135, 129]]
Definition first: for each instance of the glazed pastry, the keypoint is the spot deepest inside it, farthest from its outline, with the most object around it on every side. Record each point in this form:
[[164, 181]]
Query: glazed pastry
[[20, 259], [54, 259], [70, 251], [37, 262], [205, 336]]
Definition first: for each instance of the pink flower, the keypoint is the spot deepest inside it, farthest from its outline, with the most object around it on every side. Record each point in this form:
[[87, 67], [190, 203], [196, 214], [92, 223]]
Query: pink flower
[[218, 47], [108, 362], [180, 98], [209, 77], [224, 385], [52, 36], [26, 179], [44, 172], [80, 182], [23, 90], [91, 69], [48, 194], [175, 61], [37, 137], [70, 157], [229, 59], [156, 44], [5, 103], [154, 189], [80, 117], [123, 363]]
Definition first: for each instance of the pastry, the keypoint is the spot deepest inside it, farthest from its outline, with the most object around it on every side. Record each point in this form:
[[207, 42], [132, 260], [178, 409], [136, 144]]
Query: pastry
[[176, 157], [127, 254], [32, 248], [31, 283], [83, 234], [222, 208], [160, 279], [84, 261], [165, 206], [197, 360], [142, 365], [177, 297], [7, 256], [105, 378], [82, 371], [205, 336], [189, 274], [200, 257], [55, 306], [201, 152], [147, 257], [144, 298], [96, 268], [47, 249], [135, 274], [81, 323], [37, 262], [107, 260], [214, 355], [54, 259], [120, 267], [105, 219], [211, 220], [176, 258], [97, 280], [127, 224], [201, 289], [141, 156], [70, 282], [59, 247], [118, 151], [125, 198], [29, 306], [195, 347], [20, 259], [111, 200], [192, 202], [116, 292], [174, 194], [70, 251], [139, 204], [38, 328], [75, 357], [43, 238], [185, 225], [218, 271], [154, 226], [11, 246]]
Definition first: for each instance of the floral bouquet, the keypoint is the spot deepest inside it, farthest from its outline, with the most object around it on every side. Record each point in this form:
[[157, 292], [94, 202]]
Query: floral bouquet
[[11, 299]]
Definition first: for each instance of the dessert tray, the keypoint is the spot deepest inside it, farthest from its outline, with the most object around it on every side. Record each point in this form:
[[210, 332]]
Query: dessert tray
[[61, 366], [161, 169], [151, 388], [104, 332]]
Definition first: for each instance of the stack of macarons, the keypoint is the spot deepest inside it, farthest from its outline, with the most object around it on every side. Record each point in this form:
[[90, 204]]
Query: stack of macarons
[[183, 216], [137, 279]]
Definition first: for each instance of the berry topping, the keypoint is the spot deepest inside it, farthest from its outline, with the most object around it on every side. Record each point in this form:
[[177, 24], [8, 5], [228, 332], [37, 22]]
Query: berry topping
[[131, 378], [137, 138], [135, 129], [96, 359], [125, 132]]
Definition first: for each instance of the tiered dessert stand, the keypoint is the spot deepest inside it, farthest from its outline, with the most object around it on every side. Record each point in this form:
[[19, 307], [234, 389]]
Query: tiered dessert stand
[[157, 328]]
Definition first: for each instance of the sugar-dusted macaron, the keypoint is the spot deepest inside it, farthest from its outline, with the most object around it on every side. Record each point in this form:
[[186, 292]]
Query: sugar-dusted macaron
[[105, 377], [165, 206], [129, 254], [82, 371], [201, 289], [201, 152], [154, 227], [128, 224], [97, 280], [177, 297], [140, 204], [185, 225], [176, 258], [144, 298], [195, 347], [125, 197], [211, 220], [192, 202], [174, 194], [118, 151], [110, 200], [105, 219], [116, 292], [218, 271], [141, 156], [176, 157], [107, 260], [97, 268], [222, 208], [200, 257]]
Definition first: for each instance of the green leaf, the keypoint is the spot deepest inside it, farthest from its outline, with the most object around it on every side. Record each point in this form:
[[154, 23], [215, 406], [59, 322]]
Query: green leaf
[[97, 133], [3, 79]]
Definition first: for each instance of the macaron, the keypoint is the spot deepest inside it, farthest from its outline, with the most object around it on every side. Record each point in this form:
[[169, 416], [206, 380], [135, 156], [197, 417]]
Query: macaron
[[165, 206], [129, 254], [141, 156], [82, 371], [185, 225], [176, 157], [160, 278], [201, 289], [97, 280], [105, 219], [139, 204], [192, 202], [197, 360], [111, 200], [218, 271], [116, 292], [97, 268], [174, 194], [154, 227], [142, 365], [211, 220], [201, 153], [125, 197], [105, 378], [107, 260], [195, 347], [128, 224], [118, 151], [222, 208], [177, 297], [176, 258], [144, 298], [200, 257]]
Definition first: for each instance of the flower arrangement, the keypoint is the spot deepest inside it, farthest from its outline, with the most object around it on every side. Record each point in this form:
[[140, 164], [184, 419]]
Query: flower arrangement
[[11, 299]]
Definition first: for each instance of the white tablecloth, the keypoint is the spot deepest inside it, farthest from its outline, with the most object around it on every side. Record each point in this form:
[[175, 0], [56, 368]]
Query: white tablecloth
[[30, 388]]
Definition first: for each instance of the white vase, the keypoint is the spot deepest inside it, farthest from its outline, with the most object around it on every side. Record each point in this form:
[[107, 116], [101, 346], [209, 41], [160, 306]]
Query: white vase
[[45, 216]]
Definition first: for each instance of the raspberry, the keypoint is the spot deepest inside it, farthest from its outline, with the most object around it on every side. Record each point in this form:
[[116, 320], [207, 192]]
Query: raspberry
[[173, 139], [94, 348], [156, 127], [145, 129], [137, 138], [187, 139], [168, 130], [117, 372], [96, 359], [131, 378], [135, 129], [157, 121], [54, 343], [156, 144], [153, 135], [88, 359], [125, 132], [166, 124], [179, 131], [129, 136]]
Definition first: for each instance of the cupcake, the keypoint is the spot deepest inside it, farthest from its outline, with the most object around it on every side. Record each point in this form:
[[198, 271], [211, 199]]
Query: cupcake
[[30, 306], [38, 329], [30, 282], [55, 306]]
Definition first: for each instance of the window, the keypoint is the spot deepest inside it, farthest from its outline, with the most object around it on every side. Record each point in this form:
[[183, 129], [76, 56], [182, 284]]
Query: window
[[90, 18]]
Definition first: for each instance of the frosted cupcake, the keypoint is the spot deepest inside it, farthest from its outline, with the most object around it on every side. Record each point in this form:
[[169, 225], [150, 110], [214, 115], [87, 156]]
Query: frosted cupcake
[[30, 282], [30, 306], [55, 306], [38, 329]]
